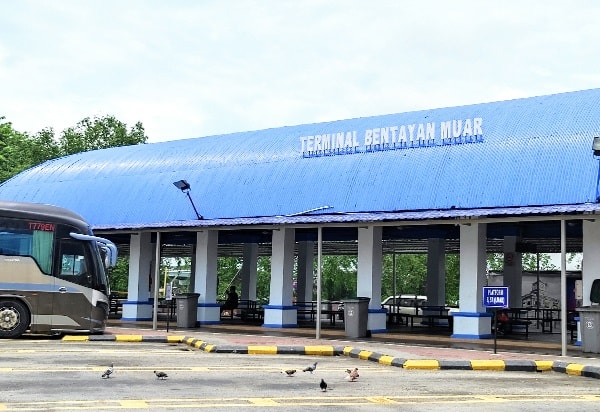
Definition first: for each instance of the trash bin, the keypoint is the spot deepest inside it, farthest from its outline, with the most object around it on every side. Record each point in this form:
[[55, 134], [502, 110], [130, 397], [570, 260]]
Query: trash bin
[[356, 316], [589, 318], [187, 309]]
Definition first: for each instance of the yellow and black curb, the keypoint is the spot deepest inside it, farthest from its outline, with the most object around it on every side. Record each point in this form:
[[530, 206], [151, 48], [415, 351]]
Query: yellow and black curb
[[518, 365]]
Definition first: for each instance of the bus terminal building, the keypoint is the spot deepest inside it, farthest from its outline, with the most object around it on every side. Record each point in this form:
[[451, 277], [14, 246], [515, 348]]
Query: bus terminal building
[[471, 180]]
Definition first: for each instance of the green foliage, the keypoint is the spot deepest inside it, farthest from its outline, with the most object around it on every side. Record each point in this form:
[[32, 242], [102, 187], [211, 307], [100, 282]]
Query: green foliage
[[100, 133], [263, 279], [532, 260], [338, 275], [411, 272], [118, 276], [19, 151], [45, 147], [495, 262], [452, 279], [575, 260], [15, 151], [228, 269]]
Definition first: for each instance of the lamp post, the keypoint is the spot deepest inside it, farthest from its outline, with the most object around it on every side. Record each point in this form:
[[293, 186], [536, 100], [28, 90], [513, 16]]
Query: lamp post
[[185, 187]]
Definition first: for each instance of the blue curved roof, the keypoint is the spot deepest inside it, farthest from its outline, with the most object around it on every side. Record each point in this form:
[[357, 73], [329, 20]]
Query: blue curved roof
[[523, 153]]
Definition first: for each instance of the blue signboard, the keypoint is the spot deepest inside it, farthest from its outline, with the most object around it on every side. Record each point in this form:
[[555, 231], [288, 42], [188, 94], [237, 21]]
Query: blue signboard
[[495, 296]]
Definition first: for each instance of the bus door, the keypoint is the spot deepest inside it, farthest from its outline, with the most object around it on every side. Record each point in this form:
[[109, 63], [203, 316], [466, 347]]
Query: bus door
[[72, 302]]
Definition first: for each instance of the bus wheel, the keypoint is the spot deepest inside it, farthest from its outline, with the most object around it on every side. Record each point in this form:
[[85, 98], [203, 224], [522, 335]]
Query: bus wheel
[[14, 319]]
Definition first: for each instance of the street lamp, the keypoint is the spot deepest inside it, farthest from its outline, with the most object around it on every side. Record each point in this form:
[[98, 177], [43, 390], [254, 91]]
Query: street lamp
[[185, 187], [596, 145]]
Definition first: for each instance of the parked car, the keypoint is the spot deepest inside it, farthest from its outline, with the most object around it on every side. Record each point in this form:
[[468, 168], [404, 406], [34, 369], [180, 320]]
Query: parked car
[[405, 304]]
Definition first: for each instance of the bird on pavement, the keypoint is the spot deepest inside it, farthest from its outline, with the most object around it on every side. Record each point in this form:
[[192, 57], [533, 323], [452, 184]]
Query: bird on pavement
[[160, 375], [352, 374], [323, 385], [310, 368], [108, 372], [289, 372]]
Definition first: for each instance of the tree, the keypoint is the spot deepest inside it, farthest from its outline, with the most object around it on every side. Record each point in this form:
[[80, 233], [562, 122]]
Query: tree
[[100, 133], [495, 262], [45, 147], [15, 151], [263, 279], [228, 269], [118, 276], [452, 279], [411, 272], [531, 261], [338, 277], [20, 151]]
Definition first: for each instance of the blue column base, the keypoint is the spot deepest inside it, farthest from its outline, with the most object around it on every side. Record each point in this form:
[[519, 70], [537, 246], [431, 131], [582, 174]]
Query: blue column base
[[468, 336]]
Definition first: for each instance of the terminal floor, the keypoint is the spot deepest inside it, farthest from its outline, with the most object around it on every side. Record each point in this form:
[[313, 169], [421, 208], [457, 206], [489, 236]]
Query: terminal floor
[[536, 343]]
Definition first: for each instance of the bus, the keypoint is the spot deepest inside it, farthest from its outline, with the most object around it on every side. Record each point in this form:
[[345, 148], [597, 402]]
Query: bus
[[53, 275]]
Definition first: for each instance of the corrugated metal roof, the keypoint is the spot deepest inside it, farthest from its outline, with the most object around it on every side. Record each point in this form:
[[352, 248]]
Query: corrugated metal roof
[[368, 217], [532, 156]]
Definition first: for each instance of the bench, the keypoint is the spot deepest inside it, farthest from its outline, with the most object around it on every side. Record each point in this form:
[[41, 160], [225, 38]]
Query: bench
[[310, 309], [572, 328], [515, 325], [116, 300], [432, 314], [246, 309], [400, 319]]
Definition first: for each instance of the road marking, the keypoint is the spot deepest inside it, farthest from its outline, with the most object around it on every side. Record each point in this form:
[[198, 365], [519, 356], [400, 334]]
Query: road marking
[[102, 368], [324, 399], [134, 403], [263, 402]]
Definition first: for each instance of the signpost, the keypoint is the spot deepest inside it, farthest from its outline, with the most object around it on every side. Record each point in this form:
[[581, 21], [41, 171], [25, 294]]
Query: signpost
[[495, 297], [169, 299]]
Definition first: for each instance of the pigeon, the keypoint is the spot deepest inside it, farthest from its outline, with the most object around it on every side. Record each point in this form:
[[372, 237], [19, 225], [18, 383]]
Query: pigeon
[[108, 372], [289, 372], [160, 375], [352, 374], [323, 385], [310, 368]]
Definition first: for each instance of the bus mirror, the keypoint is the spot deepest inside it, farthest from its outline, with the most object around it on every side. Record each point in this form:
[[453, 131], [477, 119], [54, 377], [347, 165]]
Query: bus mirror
[[105, 244], [110, 253]]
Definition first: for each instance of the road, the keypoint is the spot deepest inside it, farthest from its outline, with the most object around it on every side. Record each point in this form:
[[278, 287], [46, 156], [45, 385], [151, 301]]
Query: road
[[40, 374]]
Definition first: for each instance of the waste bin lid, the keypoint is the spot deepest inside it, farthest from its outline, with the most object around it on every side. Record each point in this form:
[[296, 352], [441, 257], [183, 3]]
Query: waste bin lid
[[187, 295], [357, 299]]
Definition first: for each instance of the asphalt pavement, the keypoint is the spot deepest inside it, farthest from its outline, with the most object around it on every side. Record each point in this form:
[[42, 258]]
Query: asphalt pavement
[[422, 348]]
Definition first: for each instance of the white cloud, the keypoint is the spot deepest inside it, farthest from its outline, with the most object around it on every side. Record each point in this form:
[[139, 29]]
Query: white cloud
[[187, 69]]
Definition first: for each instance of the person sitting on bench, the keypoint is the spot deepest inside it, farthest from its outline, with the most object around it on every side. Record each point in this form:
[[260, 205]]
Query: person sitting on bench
[[232, 301], [503, 322]]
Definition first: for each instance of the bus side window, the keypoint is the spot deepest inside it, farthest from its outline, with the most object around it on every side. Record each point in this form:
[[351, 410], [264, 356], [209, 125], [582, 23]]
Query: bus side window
[[73, 264]]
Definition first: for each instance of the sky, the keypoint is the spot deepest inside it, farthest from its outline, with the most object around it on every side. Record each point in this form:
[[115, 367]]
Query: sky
[[187, 68]]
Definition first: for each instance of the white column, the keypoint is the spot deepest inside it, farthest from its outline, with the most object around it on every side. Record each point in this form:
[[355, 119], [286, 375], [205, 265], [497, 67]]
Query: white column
[[248, 271], [370, 264], [280, 313], [472, 321], [512, 273], [205, 280], [141, 256], [304, 277], [591, 258]]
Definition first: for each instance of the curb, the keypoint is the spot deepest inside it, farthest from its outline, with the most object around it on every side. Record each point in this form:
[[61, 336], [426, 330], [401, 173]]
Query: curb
[[516, 365]]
